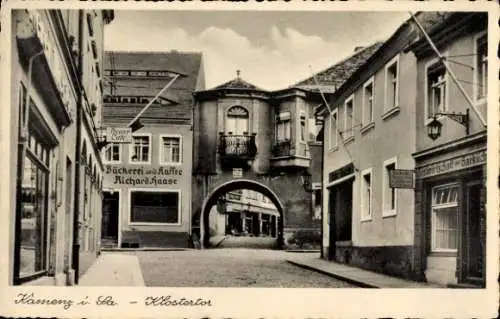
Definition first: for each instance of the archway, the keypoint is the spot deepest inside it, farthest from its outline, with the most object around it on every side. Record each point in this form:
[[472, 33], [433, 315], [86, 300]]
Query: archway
[[229, 186]]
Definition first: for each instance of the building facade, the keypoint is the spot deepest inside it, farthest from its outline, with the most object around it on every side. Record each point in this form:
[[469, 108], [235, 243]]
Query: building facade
[[450, 193], [49, 73], [249, 138], [147, 198], [433, 228], [366, 222]]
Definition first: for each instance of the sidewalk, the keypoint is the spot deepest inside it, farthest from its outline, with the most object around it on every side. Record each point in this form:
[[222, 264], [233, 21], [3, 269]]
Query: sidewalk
[[114, 269], [356, 276]]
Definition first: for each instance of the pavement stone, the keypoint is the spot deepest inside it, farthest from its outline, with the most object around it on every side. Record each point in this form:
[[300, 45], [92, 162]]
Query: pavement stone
[[114, 269], [229, 267], [353, 275]]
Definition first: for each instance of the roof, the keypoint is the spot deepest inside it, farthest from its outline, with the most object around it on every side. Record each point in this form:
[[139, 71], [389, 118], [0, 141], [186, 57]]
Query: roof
[[189, 64], [437, 24], [334, 76], [237, 83], [345, 71]]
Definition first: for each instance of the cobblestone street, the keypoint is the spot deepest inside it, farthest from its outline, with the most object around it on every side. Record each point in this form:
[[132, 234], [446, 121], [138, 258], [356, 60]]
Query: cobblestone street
[[228, 268]]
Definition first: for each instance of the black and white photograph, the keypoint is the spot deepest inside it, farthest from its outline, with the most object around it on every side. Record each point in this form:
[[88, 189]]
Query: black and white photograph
[[182, 151]]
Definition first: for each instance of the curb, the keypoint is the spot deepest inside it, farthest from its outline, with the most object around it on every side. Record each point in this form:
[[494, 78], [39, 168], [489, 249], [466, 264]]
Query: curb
[[302, 250], [145, 249], [333, 275]]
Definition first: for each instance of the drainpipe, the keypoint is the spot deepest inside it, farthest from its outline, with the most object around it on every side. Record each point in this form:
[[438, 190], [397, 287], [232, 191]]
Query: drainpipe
[[322, 191], [23, 139], [76, 208]]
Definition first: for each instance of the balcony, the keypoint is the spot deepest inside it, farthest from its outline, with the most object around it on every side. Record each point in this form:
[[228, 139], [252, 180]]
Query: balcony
[[285, 154], [237, 148], [282, 148]]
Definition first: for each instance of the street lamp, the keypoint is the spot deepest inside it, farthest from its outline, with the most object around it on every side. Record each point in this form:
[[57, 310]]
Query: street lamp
[[435, 126], [306, 180]]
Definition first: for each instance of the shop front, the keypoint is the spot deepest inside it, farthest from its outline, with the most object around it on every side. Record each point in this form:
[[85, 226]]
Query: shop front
[[147, 190], [450, 213]]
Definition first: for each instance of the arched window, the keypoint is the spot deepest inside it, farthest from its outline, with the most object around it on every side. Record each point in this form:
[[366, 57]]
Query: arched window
[[237, 120]]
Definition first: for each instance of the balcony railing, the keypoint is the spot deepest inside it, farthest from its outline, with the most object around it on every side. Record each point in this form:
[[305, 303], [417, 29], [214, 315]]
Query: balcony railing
[[282, 148], [239, 146]]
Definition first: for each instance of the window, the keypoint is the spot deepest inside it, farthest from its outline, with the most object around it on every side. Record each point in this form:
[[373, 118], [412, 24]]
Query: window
[[481, 67], [436, 89], [140, 149], [333, 129], [368, 102], [445, 218], [283, 129], [171, 149], [302, 128], [348, 118], [112, 153], [155, 207], [237, 120], [392, 84], [388, 193], [366, 194], [33, 207]]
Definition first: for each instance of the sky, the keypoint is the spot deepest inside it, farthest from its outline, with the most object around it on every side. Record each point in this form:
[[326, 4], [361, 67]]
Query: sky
[[272, 49]]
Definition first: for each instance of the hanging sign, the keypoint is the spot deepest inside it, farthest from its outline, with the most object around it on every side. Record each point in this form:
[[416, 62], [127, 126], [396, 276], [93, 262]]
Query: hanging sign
[[402, 178], [119, 135]]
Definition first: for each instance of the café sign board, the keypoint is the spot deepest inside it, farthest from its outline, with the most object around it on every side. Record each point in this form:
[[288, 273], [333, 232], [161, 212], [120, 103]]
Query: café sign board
[[119, 135], [453, 164]]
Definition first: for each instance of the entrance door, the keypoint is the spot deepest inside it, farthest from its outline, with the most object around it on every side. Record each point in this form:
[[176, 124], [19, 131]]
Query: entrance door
[[332, 209], [474, 251], [110, 213]]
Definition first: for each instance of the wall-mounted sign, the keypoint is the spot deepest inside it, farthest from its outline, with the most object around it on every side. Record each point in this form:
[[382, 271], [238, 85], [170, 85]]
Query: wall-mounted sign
[[237, 172], [119, 135], [341, 172], [402, 178], [54, 59], [454, 164], [141, 176]]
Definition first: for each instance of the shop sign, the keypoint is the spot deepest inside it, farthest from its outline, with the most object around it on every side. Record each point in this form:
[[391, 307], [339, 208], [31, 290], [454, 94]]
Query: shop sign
[[119, 135], [141, 176], [402, 178], [341, 172], [453, 164], [54, 60], [237, 172]]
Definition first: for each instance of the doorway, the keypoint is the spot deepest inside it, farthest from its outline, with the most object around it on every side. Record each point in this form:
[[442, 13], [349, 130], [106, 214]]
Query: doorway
[[110, 215], [332, 193], [474, 247]]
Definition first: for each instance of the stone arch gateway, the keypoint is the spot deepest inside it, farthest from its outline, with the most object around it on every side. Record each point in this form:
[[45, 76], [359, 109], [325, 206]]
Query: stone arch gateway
[[235, 184]]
